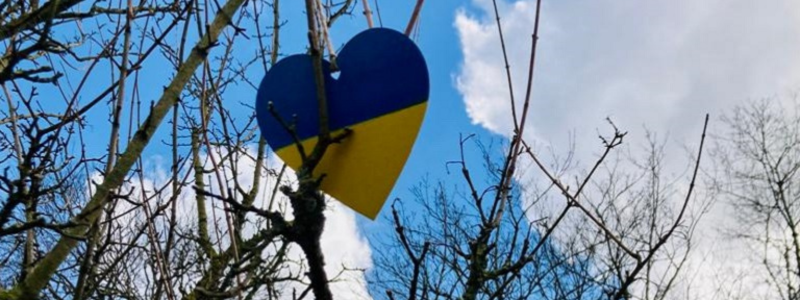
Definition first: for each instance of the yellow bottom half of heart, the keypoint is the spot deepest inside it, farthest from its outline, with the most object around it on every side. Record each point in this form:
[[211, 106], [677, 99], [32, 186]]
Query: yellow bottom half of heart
[[362, 170]]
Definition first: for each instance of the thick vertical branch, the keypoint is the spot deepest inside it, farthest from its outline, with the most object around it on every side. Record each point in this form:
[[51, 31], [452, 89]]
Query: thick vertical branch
[[306, 232], [308, 202], [200, 198], [319, 76]]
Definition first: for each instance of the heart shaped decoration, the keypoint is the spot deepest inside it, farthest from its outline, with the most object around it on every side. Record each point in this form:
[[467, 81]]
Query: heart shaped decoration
[[381, 94]]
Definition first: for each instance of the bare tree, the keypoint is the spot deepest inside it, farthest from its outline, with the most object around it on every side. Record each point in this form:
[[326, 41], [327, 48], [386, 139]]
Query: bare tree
[[83, 219], [650, 214], [625, 233], [757, 159], [480, 243]]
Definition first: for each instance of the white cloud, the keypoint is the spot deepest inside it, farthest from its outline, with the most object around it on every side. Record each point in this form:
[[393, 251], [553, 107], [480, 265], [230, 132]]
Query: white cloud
[[344, 246], [662, 65]]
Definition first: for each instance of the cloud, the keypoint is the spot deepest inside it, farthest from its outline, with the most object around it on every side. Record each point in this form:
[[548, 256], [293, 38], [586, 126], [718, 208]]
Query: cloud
[[659, 65], [663, 64]]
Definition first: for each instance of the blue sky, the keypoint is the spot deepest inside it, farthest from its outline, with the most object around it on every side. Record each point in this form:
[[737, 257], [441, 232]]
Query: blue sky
[[648, 65], [661, 66], [656, 65], [445, 118]]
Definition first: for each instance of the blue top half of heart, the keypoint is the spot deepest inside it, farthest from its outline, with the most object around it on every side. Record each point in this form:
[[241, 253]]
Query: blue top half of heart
[[380, 71]]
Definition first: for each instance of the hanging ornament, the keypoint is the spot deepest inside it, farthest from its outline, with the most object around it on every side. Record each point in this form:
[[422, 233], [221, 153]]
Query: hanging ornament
[[380, 94]]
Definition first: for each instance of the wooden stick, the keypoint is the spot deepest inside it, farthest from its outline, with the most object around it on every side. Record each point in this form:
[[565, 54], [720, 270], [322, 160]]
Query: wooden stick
[[367, 13], [414, 17], [323, 25]]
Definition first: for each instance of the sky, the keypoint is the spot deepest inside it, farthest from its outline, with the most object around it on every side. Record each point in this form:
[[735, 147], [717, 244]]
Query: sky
[[647, 65], [346, 238], [656, 65]]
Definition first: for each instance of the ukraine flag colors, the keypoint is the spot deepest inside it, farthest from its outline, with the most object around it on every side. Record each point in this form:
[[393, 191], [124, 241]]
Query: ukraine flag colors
[[380, 94]]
